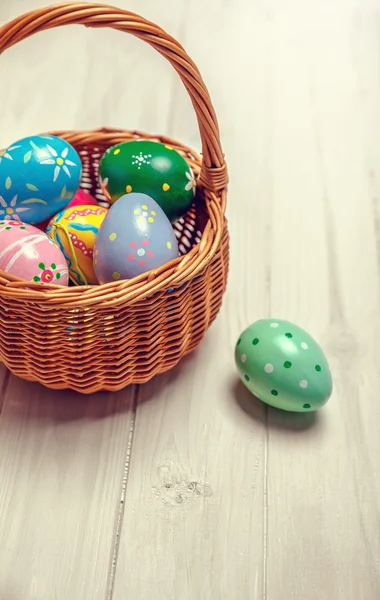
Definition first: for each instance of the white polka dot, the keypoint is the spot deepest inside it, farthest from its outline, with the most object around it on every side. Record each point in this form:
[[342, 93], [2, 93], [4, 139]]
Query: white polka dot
[[304, 346], [141, 251], [269, 368], [243, 358], [274, 324], [145, 214], [304, 383]]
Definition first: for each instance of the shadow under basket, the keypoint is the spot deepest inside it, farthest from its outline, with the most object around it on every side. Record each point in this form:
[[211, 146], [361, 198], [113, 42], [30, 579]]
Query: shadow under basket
[[105, 337]]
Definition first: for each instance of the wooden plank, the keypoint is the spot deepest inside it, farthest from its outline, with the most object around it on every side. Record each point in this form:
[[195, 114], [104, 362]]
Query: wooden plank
[[323, 494], [62, 465], [195, 493]]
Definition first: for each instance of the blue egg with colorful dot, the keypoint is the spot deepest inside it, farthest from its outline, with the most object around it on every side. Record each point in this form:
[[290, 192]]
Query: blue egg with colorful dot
[[135, 237], [39, 176]]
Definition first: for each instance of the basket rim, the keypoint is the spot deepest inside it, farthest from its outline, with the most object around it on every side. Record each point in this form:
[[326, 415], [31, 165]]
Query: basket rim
[[172, 274]]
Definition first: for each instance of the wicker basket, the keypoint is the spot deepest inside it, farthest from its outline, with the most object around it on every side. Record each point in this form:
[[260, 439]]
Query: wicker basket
[[108, 336]]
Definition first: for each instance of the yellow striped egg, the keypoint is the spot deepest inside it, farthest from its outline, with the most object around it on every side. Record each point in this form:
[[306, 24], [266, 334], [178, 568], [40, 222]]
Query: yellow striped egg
[[74, 230]]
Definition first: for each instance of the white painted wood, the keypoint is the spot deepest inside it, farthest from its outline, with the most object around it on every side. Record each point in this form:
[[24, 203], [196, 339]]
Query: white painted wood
[[195, 492], [225, 499], [62, 464], [323, 490]]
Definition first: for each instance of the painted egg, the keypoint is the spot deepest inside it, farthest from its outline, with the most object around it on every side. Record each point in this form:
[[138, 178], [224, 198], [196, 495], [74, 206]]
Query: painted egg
[[150, 168], [39, 175], [82, 198], [27, 252], [136, 236], [283, 365], [74, 230]]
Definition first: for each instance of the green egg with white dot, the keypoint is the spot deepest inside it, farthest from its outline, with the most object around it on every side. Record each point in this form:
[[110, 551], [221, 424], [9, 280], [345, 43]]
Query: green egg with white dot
[[283, 366]]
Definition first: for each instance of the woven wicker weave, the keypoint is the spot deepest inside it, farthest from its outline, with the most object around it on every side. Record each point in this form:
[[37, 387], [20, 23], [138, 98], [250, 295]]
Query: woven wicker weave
[[106, 337]]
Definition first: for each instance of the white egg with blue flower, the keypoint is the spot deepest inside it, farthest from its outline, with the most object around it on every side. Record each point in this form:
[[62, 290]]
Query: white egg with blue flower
[[39, 176]]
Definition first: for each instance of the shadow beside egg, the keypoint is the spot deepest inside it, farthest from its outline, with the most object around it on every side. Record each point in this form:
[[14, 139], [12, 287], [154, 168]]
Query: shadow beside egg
[[275, 418]]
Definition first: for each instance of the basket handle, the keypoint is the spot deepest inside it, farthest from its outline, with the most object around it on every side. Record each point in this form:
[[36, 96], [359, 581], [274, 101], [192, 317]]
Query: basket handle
[[213, 174]]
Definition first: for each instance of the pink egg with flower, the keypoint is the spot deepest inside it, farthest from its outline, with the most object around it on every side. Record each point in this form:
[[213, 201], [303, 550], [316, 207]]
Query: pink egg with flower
[[30, 254]]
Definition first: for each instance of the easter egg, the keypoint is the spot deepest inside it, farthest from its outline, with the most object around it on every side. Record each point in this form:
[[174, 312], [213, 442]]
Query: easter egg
[[150, 168], [82, 198], [283, 365], [39, 175], [135, 237], [74, 230], [30, 254]]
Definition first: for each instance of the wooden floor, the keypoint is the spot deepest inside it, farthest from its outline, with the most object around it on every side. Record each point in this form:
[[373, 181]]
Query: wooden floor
[[187, 488]]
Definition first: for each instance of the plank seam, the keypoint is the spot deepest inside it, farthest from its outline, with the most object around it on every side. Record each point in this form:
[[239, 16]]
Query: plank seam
[[265, 507], [120, 516]]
